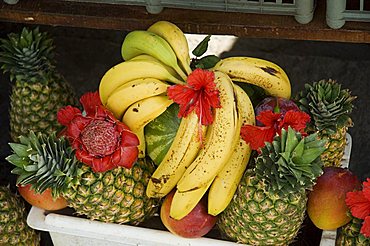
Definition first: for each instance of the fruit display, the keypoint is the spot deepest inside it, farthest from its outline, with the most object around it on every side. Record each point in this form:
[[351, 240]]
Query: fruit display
[[330, 107], [184, 139], [13, 226], [39, 91]]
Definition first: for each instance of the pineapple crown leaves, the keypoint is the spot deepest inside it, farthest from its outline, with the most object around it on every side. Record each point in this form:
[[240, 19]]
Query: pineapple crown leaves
[[44, 161], [28, 55], [328, 105], [290, 162]]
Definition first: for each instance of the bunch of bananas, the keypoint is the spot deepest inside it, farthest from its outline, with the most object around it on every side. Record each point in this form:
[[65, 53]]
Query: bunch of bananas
[[135, 92]]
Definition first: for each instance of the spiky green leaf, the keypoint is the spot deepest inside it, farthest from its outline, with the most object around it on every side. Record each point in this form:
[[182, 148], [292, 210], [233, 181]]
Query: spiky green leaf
[[288, 164]]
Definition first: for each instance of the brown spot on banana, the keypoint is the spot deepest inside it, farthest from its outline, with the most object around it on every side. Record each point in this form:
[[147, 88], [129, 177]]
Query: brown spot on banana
[[259, 72], [270, 70]]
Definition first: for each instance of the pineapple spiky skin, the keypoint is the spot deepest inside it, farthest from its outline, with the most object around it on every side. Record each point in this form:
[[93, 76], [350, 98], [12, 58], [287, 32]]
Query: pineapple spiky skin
[[39, 91], [264, 218], [13, 226], [269, 205], [34, 106], [349, 234], [336, 143], [330, 107], [116, 196]]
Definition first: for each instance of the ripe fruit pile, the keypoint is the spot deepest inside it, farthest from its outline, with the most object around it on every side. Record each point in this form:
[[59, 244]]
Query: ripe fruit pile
[[163, 127]]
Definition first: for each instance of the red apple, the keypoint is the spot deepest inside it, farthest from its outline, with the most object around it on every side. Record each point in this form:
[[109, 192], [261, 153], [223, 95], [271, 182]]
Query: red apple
[[196, 224], [43, 200], [326, 204], [276, 105]]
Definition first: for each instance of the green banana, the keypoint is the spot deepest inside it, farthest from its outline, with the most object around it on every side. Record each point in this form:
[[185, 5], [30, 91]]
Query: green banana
[[176, 38], [144, 42]]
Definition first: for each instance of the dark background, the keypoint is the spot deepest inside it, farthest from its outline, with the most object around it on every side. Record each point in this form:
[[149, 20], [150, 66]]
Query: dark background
[[84, 55]]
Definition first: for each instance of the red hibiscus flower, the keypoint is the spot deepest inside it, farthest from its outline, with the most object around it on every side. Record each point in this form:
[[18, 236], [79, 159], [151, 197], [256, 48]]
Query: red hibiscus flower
[[272, 122], [100, 140], [359, 205], [199, 94]]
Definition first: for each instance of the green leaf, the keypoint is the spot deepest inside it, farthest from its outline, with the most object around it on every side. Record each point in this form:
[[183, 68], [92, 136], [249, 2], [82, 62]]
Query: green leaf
[[291, 141], [22, 178], [311, 154], [16, 160], [202, 47], [298, 150], [19, 149], [207, 62]]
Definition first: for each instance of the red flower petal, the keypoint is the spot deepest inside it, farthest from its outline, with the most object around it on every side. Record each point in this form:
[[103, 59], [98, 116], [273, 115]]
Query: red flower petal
[[366, 184], [184, 96], [100, 165], [76, 126], [268, 118], [100, 140], [202, 79], [66, 114], [128, 156], [84, 156], [358, 204], [365, 229], [257, 136], [90, 101], [200, 94], [129, 139], [295, 119]]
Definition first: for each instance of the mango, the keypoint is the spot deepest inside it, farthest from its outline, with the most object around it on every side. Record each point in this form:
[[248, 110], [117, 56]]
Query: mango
[[326, 205], [194, 225], [42, 200]]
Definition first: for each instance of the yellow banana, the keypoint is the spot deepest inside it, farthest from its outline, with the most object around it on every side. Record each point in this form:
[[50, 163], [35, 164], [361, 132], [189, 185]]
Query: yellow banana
[[176, 38], [144, 42], [142, 145], [146, 57], [139, 114], [226, 182], [134, 91], [130, 70], [182, 152], [219, 145], [184, 202], [259, 72]]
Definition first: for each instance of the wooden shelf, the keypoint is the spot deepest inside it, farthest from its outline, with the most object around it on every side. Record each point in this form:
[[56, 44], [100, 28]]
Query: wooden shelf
[[124, 17]]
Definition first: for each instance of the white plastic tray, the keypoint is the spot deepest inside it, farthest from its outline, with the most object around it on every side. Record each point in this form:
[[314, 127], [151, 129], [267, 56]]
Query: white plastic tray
[[71, 231], [67, 230]]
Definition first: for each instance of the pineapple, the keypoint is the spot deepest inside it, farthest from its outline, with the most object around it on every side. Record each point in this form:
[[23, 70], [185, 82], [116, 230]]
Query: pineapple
[[39, 90], [115, 196], [330, 107], [349, 234], [13, 226], [269, 205]]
